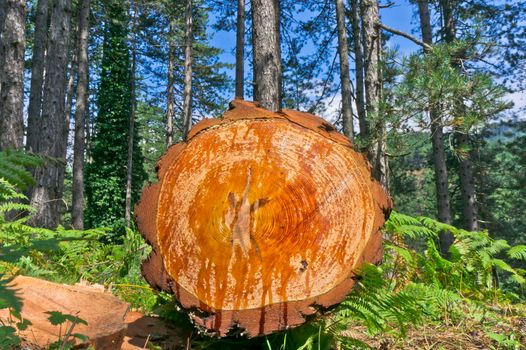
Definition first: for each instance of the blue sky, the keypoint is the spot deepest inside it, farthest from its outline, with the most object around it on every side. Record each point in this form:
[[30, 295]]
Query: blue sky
[[399, 16]]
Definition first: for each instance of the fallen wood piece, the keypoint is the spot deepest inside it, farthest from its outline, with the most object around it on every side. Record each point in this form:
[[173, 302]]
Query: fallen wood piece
[[103, 313], [260, 219]]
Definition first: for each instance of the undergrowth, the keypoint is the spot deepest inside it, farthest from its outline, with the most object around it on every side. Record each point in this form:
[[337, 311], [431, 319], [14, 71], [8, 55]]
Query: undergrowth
[[414, 299]]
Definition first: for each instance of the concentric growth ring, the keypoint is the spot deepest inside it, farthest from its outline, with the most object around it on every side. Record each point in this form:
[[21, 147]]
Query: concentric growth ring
[[259, 211]]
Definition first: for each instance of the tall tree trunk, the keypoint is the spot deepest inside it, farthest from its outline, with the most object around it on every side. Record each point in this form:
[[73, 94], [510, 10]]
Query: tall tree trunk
[[437, 138], [240, 49], [266, 53], [277, 20], [358, 52], [77, 210], [372, 81], [381, 161], [37, 76], [467, 181], [170, 88], [131, 129], [188, 58], [345, 79], [12, 43], [47, 194], [372, 50]]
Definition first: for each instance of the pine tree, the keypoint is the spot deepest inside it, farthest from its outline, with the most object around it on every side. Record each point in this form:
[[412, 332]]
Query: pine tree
[[106, 174], [12, 43], [46, 195]]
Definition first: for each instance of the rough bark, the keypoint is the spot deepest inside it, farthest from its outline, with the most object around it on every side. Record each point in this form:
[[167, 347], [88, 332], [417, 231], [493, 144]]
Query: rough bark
[[381, 160], [131, 123], [266, 53], [77, 210], [372, 81], [37, 76], [437, 138], [277, 25], [345, 79], [46, 196], [103, 313], [240, 49], [372, 50], [358, 52], [258, 243], [170, 88], [12, 42], [188, 58]]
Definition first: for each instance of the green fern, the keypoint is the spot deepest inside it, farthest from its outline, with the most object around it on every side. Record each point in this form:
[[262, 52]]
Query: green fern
[[517, 252], [14, 168]]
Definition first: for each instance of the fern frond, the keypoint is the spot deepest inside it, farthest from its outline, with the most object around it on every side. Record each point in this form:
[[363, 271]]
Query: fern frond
[[14, 167], [517, 252]]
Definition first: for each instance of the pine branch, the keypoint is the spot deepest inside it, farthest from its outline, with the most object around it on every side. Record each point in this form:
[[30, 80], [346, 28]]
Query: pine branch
[[405, 35]]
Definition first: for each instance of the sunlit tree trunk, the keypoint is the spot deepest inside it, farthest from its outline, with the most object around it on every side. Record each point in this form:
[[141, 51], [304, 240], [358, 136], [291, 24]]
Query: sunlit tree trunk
[[170, 88], [345, 79], [188, 58], [358, 53], [372, 52], [12, 45], [77, 210], [266, 53], [131, 129]]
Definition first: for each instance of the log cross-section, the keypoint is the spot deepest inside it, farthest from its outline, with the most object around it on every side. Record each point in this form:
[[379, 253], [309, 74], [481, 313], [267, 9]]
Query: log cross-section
[[260, 219]]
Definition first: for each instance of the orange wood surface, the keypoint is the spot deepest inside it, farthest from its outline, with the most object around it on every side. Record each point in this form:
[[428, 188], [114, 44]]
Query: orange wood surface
[[261, 218]]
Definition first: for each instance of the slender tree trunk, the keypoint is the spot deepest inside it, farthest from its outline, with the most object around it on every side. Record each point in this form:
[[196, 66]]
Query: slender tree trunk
[[358, 52], [437, 138], [467, 184], [47, 193], [372, 50], [381, 161], [450, 30], [277, 20], [467, 180], [188, 58], [77, 210], [240, 49], [37, 76], [12, 43], [131, 129], [345, 79], [70, 86], [372, 81], [266, 52], [87, 122], [170, 88]]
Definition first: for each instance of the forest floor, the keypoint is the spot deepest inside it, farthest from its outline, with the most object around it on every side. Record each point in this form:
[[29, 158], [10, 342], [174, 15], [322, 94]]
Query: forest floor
[[501, 328]]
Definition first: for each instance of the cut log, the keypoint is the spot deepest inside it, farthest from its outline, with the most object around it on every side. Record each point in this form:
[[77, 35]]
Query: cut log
[[104, 313], [260, 219]]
